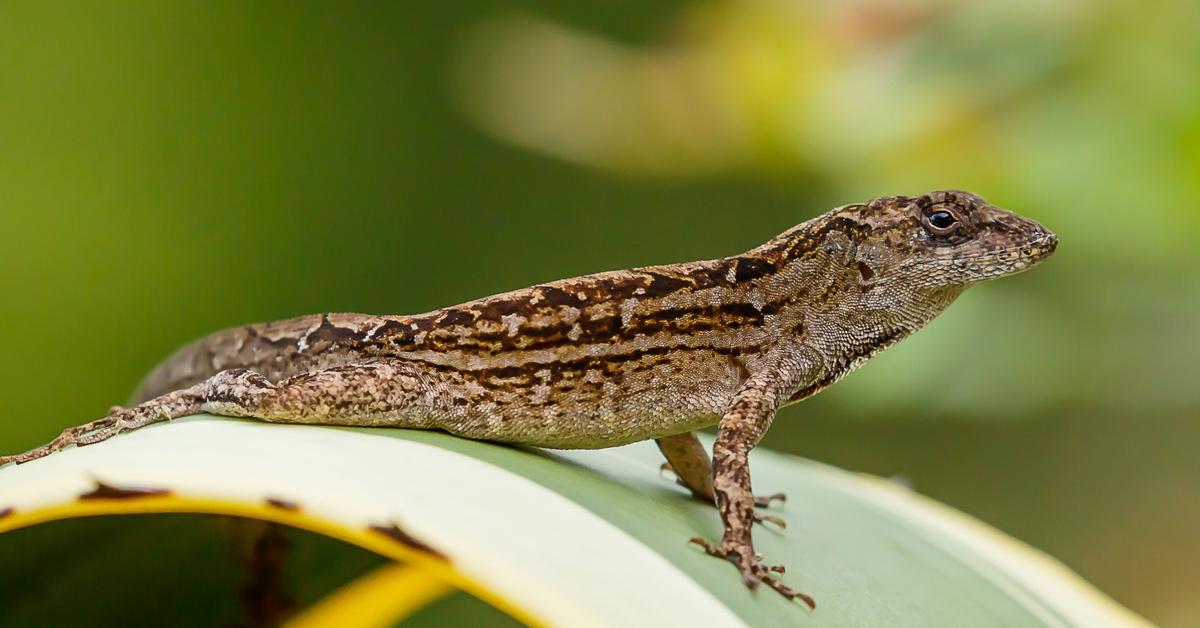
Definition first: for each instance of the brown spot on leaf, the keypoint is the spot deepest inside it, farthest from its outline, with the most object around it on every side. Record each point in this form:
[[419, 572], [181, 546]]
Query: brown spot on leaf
[[283, 504], [108, 491], [394, 532]]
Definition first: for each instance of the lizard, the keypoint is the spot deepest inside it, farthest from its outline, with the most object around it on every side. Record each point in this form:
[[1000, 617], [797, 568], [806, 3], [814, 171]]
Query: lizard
[[617, 357]]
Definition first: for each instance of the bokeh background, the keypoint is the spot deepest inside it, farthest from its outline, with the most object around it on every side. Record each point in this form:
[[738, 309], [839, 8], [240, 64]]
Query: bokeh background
[[168, 169]]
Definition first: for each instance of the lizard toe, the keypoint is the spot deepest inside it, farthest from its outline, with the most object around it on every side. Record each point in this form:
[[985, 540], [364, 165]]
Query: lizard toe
[[789, 592], [779, 522], [767, 500]]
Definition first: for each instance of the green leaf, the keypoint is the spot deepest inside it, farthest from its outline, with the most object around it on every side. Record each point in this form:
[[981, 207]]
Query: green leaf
[[572, 538]]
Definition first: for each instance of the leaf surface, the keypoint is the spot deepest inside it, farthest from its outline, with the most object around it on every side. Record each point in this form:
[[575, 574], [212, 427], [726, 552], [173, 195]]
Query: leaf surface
[[573, 538]]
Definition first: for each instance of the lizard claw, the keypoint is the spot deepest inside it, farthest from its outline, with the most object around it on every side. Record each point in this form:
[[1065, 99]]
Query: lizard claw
[[789, 592], [753, 571], [779, 522], [706, 546]]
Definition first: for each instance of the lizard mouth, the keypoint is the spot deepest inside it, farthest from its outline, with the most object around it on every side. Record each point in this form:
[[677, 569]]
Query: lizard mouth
[[1013, 259], [1033, 251], [1003, 262]]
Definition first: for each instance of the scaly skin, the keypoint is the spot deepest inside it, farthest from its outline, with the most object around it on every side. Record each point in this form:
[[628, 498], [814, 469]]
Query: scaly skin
[[618, 357]]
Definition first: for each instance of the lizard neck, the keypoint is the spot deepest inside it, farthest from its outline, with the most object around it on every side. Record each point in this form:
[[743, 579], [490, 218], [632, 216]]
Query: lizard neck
[[845, 294]]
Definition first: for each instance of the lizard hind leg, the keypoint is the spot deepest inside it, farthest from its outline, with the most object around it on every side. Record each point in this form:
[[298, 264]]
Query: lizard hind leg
[[366, 394]]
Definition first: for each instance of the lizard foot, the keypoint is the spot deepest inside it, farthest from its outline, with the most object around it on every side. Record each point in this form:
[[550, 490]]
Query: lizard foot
[[753, 570]]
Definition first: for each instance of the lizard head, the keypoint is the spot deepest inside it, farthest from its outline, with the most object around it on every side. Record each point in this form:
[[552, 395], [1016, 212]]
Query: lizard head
[[946, 239]]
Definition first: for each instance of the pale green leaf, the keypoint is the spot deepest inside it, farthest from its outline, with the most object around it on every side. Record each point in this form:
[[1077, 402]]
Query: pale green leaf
[[577, 538]]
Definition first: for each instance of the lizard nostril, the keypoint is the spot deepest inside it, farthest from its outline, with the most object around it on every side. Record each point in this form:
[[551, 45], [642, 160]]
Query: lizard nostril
[[1048, 241]]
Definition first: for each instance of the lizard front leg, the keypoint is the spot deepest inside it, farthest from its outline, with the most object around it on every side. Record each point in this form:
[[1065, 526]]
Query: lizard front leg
[[687, 458], [749, 415]]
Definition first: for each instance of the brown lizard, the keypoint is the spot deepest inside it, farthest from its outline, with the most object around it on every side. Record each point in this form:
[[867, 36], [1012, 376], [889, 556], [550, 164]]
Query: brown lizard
[[617, 357]]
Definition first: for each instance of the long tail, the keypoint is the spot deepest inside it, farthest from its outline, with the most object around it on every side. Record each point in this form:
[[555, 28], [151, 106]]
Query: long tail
[[164, 408], [176, 387]]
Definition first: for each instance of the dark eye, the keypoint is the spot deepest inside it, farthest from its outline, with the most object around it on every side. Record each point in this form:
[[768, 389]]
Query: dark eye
[[942, 220]]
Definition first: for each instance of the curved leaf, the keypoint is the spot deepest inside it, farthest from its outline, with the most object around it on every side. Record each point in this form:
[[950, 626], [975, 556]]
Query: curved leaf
[[571, 538]]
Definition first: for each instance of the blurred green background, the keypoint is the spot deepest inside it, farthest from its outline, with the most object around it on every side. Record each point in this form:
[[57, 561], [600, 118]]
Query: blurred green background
[[168, 169]]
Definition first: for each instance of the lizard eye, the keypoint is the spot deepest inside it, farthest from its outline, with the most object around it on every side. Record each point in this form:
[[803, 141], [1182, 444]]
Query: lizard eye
[[942, 220]]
